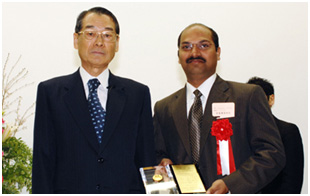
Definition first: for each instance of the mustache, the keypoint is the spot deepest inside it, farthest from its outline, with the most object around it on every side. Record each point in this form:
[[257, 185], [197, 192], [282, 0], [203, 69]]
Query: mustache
[[189, 60]]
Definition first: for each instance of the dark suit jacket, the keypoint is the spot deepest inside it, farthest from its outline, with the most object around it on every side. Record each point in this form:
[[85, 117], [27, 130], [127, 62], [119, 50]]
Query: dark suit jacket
[[257, 147], [290, 179], [67, 157]]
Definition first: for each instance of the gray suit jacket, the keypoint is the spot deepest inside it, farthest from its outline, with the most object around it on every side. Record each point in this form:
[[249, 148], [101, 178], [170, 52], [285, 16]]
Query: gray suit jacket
[[256, 143]]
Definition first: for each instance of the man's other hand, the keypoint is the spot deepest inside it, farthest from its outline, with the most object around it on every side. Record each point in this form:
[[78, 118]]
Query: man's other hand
[[218, 187]]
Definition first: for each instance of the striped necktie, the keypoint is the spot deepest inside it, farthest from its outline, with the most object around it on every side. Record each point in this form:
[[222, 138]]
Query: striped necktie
[[195, 119]]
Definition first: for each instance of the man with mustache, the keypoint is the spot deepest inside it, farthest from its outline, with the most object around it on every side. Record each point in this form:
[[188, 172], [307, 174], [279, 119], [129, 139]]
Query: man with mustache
[[225, 128], [93, 130]]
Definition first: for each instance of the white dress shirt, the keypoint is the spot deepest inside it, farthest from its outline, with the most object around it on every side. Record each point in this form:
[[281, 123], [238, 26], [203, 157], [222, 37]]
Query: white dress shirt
[[204, 88], [103, 87]]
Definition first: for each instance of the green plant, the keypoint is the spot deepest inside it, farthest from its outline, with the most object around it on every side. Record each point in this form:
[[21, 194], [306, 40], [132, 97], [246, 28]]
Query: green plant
[[16, 155], [16, 166]]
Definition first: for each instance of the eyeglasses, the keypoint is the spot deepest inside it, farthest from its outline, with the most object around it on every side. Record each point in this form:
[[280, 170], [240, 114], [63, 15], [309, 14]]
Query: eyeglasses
[[200, 46], [108, 36]]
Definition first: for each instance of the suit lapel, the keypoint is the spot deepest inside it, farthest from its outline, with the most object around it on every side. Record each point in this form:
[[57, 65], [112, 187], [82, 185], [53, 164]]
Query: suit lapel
[[115, 105], [77, 104], [179, 115], [218, 93]]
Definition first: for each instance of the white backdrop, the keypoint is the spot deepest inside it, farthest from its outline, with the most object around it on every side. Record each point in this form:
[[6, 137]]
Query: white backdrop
[[268, 40]]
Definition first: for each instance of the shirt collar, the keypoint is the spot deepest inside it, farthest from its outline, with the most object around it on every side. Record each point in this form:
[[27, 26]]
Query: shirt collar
[[204, 88], [103, 77]]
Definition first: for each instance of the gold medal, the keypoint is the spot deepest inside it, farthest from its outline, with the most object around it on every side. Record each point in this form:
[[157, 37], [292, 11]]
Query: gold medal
[[157, 177]]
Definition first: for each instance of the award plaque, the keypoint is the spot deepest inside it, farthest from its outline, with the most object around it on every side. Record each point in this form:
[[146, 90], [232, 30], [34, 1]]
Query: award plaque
[[173, 179], [158, 180]]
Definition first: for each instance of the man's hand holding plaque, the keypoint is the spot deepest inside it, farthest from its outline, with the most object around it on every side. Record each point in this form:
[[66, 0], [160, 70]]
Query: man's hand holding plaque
[[164, 162]]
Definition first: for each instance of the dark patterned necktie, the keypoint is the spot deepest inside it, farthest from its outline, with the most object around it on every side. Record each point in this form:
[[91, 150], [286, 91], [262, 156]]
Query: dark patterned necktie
[[195, 119], [96, 111]]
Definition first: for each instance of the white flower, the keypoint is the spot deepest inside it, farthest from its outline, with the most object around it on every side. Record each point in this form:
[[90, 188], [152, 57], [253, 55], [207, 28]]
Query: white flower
[[8, 131]]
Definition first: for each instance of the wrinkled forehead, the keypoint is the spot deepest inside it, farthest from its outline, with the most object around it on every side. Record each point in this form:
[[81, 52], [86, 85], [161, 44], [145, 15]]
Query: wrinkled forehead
[[94, 21], [94, 28]]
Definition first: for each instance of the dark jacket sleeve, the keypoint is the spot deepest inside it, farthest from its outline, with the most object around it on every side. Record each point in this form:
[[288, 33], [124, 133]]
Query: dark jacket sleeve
[[290, 179], [145, 150], [44, 146], [293, 170]]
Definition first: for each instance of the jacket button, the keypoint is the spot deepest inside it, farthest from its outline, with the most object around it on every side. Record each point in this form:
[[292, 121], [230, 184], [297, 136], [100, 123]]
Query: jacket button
[[98, 187], [100, 160]]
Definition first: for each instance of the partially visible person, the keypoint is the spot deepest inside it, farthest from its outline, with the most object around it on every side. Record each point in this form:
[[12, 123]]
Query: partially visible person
[[290, 179], [93, 130], [188, 129]]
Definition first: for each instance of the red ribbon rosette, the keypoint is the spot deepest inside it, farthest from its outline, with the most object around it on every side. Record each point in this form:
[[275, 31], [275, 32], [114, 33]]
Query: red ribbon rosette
[[222, 130]]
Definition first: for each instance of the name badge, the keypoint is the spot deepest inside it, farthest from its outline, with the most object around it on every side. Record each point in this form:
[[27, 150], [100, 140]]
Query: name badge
[[223, 110]]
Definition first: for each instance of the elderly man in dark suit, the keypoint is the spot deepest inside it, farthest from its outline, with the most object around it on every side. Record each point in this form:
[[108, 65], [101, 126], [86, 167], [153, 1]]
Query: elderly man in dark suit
[[290, 179], [225, 128], [93, 130]]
